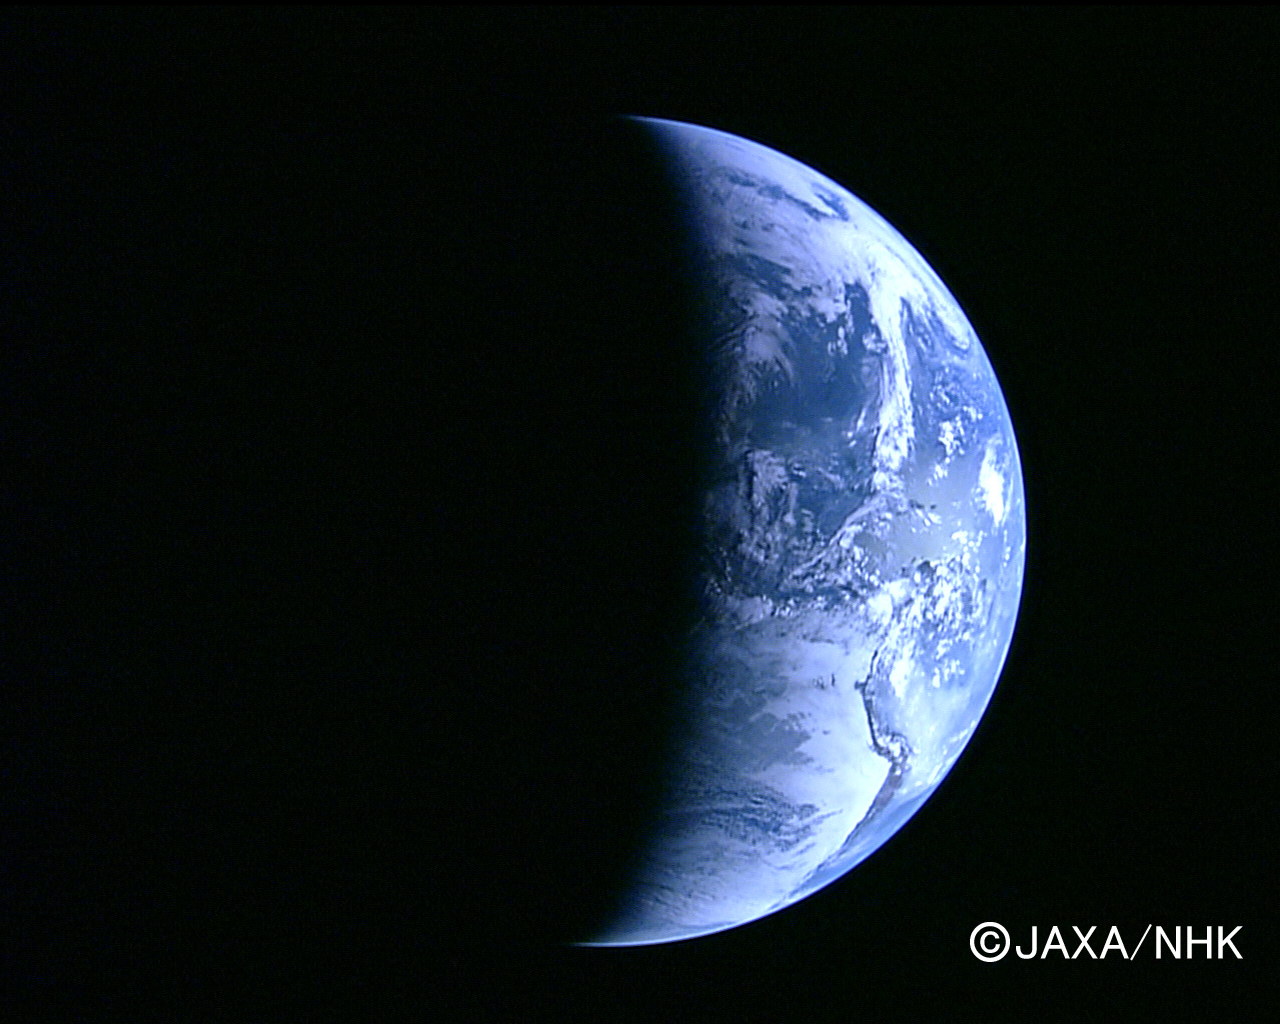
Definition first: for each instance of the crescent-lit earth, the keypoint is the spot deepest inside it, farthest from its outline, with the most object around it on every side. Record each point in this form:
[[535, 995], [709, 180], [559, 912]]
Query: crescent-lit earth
[[862, 545]]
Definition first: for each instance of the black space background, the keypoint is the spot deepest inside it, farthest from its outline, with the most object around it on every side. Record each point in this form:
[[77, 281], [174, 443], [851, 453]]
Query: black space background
[[346, 436]]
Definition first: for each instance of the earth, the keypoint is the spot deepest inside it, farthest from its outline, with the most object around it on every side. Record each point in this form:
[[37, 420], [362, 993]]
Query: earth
[[862, 545]]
